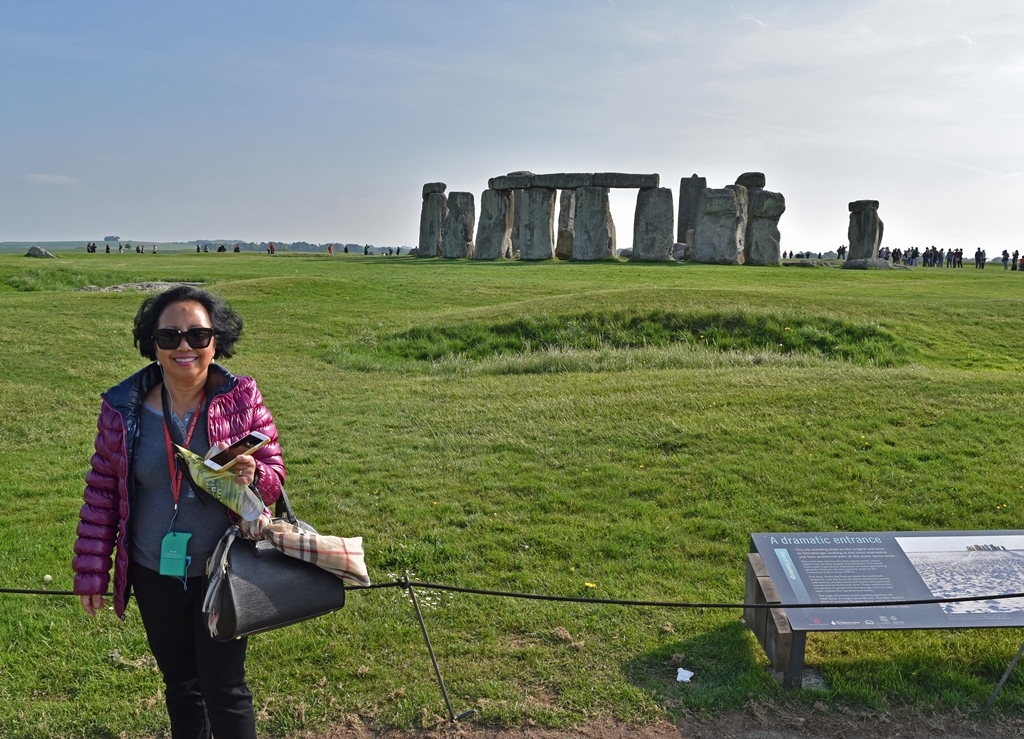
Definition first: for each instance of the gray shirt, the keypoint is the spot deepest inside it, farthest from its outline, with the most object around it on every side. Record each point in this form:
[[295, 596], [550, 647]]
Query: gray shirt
[[154, 501]]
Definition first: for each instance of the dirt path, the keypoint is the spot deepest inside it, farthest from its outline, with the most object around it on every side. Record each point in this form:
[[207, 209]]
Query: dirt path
[[758, 721]]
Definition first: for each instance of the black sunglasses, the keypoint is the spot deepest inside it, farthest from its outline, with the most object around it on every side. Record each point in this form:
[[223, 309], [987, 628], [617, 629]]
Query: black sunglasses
[[170, 338]]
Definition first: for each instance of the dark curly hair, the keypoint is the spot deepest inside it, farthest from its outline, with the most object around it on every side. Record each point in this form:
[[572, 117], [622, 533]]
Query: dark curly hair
[[227, 325]]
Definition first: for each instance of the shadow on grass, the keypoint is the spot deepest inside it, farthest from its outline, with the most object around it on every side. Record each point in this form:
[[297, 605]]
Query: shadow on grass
[[726, 666]]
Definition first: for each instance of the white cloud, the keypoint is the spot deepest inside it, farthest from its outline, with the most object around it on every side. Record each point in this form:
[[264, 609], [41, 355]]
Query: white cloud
[[61, 180]]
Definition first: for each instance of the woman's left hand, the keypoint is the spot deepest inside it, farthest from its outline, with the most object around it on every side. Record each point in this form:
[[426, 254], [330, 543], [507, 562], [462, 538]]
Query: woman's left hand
[[245, 470]]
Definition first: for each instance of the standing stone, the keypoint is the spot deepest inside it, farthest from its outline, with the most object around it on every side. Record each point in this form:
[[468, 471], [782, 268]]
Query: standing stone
[[494, 231], [595, 231], [517, 211], [652, 225], [459, 226], [690, 189], [566, 224], [865, 232], [537, 224], [721, 226], [432, 216], [762, 237]]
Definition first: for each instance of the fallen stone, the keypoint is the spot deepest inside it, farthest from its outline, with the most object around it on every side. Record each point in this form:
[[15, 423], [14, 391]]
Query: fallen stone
[[459, 226], [652, 225], [566, 224], [867, 263], [564, 181], [494, 230], [751, 179], [806, 263], [762, 239], [721, 226], [678, 251], [594, 237], [626, 253], [438, 187], [537, 224], [432, 217], [690, 189], [40, 253], [150, 287], [619, 179]]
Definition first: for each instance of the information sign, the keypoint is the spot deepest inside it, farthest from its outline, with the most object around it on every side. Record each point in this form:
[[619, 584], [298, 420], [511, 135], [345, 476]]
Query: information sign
[[838, 567]]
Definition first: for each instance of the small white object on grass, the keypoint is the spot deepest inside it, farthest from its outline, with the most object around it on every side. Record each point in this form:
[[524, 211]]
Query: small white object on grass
[[47, 578], [683, 676]]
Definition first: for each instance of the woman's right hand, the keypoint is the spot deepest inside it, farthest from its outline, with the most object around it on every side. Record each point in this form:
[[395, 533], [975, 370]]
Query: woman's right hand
[[93, 603]]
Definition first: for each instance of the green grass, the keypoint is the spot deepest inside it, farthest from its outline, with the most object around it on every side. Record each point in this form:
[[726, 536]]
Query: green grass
[[532, 427]]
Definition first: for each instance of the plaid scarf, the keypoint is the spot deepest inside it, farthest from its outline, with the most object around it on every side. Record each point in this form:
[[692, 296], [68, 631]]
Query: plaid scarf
[[339, 556]]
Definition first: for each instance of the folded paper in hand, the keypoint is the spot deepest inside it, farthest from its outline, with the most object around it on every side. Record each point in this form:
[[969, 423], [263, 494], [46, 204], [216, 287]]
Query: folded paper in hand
[[222, 486]]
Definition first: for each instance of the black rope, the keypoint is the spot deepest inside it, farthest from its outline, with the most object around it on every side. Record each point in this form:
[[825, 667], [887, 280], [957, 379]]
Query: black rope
[[405, 583]]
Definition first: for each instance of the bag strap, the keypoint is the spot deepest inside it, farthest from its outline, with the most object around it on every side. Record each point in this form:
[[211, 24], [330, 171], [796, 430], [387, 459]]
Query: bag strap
[[283, 508]]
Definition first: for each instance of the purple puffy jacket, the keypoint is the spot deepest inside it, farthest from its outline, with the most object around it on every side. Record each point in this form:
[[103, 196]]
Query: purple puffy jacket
[[235, 407]]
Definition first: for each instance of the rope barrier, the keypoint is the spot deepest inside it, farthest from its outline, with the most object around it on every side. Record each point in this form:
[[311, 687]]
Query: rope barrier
[[406, 584]]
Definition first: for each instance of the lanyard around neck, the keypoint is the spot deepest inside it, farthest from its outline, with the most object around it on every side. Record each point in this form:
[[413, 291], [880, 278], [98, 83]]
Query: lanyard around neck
[[174, 471]]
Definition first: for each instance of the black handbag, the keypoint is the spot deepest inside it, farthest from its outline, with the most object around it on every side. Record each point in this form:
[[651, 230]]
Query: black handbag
[[253, 587]]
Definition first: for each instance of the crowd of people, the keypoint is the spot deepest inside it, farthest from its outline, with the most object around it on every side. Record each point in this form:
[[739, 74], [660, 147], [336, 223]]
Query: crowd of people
[[929, 257]]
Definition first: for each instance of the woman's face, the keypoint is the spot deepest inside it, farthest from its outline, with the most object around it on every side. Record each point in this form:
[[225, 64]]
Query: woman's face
[[184, 363]]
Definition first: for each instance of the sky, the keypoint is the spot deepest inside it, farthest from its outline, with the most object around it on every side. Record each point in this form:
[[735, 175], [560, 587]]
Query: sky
[[320, 120]]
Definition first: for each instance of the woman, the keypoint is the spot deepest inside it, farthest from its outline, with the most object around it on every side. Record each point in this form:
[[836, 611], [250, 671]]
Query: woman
[[133, 503]]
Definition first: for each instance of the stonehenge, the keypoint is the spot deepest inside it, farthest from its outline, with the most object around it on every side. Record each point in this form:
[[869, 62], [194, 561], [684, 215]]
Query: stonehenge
[[595, 232], [865, 232], [735, 224], [721, 226], [459, 225], [566, 223], [432, 218], [494, 230], [652, 225]]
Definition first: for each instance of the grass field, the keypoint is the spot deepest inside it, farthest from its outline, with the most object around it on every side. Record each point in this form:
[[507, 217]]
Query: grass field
[[532, 427]]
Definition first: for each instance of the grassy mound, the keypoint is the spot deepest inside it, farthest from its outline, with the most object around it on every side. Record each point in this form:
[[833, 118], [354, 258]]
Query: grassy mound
[[598, 330]]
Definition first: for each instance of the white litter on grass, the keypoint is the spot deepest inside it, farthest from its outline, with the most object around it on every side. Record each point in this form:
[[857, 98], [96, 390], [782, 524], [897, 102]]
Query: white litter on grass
[[683, 676]]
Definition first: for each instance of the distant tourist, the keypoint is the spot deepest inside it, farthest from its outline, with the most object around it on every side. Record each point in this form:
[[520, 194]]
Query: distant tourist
[[238, 248], [330, 248], [120, 248], [1006, 260], [346, 248]]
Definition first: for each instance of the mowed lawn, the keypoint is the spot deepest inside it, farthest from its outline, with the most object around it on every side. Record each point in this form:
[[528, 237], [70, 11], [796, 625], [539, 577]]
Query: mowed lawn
[[532, 427]]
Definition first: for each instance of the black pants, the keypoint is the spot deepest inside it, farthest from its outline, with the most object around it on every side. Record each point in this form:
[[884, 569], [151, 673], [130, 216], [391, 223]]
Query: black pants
[[204, 678]]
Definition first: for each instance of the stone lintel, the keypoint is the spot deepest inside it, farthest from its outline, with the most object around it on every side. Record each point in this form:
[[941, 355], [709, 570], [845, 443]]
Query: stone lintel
[[751, 179], [430, 187], [511, 182], [858, 206], [564, 181], [620, 179]]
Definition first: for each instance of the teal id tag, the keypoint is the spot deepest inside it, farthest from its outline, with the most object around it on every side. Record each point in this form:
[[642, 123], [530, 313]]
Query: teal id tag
[[173, 557]]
